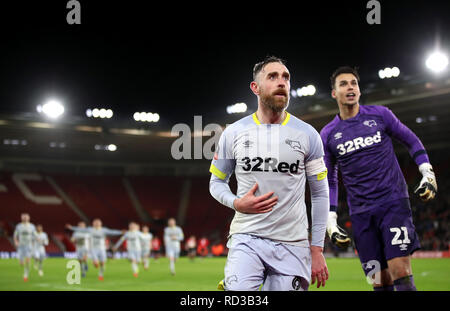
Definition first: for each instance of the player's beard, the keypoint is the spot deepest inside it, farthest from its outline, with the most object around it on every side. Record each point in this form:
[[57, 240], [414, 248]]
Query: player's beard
[[274, 103]]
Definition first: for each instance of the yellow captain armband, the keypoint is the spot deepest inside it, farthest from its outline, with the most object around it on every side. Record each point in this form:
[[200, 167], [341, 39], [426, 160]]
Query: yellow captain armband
[[322, 175], [218, 173]]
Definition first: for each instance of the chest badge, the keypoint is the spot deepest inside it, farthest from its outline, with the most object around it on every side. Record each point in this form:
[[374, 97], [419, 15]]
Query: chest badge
[[370, 123]]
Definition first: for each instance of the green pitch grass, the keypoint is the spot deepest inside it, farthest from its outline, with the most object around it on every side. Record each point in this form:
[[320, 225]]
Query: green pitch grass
[[199, 275]]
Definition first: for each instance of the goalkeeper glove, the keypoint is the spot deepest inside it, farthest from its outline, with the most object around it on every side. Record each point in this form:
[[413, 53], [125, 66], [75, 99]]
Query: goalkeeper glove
[[337, 235], [221, 285], [428, 187]]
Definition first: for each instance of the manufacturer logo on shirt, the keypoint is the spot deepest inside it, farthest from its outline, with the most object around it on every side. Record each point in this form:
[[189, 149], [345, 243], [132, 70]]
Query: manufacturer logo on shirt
[[359, 142], [338, 135], [247, 143], [370, 123]]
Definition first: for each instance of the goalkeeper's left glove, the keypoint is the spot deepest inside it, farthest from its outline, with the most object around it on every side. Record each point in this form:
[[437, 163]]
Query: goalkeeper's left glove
[[337, 235], [428, 187]]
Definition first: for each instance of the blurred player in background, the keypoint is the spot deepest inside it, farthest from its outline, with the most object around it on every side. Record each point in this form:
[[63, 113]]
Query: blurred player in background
[[358, 141], [146, 245], [24, 236], [173, 235], [191, 247], [40, 242], [98, 246], [202, 248], [134, 248], [156, 248], [82, 242], [272, 154]]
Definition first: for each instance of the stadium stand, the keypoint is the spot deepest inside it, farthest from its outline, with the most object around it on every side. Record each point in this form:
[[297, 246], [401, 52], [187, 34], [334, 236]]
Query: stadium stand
[[14, 202], [106, 197], [84, 191], [5, 245], [159, 195], [205, 216]]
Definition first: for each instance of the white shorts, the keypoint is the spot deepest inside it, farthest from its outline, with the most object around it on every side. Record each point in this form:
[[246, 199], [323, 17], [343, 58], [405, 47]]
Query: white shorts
[[39, 253], [173, 252], [98, 255], [145, 252], [254, 261], [134, 255], [25, 251], [82, 251]]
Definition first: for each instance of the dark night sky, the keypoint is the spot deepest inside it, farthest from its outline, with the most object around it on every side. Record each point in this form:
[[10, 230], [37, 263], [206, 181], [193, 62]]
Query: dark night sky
[[185, 60]]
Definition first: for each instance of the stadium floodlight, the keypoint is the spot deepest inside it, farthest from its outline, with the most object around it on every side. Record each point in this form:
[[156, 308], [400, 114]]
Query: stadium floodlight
[[145, 117], [96, 113], [99, 113], [388, 72], [52, 109], [437, 62], [155, 117], [395, 72], [294, 93], [311, 90], [241, 107], [112, 147], [109, 113], [149, 117], [237, 108], [137, 116], [308, 90], [102, 114]]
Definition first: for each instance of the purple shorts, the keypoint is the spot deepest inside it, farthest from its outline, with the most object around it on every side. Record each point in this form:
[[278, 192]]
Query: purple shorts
[[384, 233]]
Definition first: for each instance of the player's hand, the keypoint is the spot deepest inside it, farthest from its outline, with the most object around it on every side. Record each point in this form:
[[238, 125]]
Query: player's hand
[[68, 226], [428, 186], [251, 204], [337, 235], [319, 269]]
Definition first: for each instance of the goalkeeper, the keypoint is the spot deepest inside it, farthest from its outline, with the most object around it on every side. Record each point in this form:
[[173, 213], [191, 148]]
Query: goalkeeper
[[358, 141]]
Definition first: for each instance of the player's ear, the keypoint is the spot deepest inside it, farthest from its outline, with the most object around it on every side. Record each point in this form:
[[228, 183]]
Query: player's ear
[[254, 87], [333, 93]]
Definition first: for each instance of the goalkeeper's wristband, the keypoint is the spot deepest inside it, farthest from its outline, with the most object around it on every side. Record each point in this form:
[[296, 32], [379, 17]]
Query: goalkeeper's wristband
[[426, 169], [332, 221]]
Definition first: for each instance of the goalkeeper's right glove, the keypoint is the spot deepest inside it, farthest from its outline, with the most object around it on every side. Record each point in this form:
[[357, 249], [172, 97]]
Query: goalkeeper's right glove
[[337, 235]]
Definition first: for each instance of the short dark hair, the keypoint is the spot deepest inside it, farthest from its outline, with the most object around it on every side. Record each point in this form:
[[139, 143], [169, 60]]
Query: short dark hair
[[341, 70], [260, 66]]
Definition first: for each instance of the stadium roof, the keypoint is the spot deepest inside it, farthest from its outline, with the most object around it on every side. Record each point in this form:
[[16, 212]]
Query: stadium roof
[[81, 146], [186, 60]]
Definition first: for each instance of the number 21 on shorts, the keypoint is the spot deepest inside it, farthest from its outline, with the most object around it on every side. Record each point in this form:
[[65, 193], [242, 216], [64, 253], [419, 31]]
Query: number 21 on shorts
[[397, 233]]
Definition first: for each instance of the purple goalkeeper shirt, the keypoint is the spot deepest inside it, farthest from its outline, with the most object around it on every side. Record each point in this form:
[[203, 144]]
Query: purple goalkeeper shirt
[[361, 148]]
